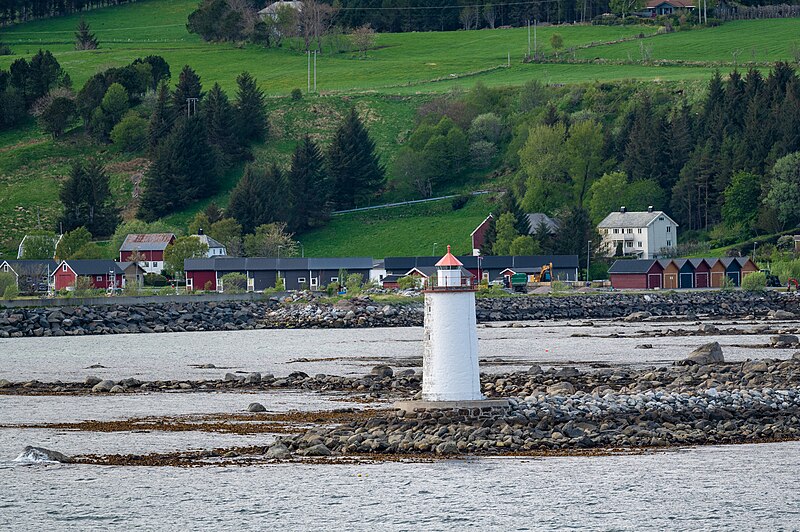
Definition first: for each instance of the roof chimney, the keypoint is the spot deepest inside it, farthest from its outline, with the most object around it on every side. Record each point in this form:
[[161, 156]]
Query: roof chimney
[[649, 208], [200, 231], [622, 209]]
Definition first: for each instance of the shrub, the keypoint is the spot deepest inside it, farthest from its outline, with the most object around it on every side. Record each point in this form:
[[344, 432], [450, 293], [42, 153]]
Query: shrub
[[7, 279], [234, 283], [727, 283], [166, 291], [460, 201], [154, 279], [280, 284], [131, 133], [297, 94], [354, 282], [786, 270], [11, 292], [407, 282], [754, 282]]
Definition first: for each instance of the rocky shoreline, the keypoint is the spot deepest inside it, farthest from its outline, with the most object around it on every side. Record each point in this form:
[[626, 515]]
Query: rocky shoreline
[[306, 310]]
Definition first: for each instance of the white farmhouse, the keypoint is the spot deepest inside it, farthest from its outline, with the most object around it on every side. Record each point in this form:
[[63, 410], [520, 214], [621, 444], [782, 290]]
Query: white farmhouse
[[647, 235]]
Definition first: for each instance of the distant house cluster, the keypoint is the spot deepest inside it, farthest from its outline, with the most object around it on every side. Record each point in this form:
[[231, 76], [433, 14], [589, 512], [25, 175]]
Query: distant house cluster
[[680, 273], [646, 235]]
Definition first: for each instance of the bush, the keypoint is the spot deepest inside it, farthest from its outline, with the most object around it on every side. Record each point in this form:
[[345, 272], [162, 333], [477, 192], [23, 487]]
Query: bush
[[5, 50], [354, 283], [131, 133], [7, 279], [754, 282], [154, 279], [166, 291], [407, 282], [727, 283], [786, 270], [297, 94], [11, 292], [234, 283], [460, 201]]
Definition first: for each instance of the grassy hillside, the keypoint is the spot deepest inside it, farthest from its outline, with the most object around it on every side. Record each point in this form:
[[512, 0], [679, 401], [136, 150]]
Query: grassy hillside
[[409, 230]]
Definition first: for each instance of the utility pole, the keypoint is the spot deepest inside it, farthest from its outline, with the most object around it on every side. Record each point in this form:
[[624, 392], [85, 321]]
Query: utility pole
[[433, 251], [535, 48], [191, 106], [588, 252], [529, 37], [315, 71], [308, 76]]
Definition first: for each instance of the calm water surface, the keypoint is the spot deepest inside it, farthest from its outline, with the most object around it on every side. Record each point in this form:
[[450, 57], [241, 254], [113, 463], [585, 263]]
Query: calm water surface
[[748, 487]]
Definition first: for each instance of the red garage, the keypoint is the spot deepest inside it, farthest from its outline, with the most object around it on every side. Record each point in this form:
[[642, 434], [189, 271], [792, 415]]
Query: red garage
[[636, 274], [100, 273]]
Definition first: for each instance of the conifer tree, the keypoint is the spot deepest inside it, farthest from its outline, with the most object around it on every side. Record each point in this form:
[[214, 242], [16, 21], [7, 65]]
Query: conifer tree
[[734, 103], [84, 38], [259, 198], [87, 200], [644, 154], [188, 86], [308, 187], [508, 203], [355, 170], [220, 125], [160, 121], [489, 238], [251, 118]]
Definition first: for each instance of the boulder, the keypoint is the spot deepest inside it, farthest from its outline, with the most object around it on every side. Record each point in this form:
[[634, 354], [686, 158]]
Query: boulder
[[535, 370], [755, 366], [256, 407], [781, 314], [4, 383], [567, 372], [91, 380], [447, 447], [319, 449], [637, 316], [781, 340], [278, 451], [40, 454], [710, 353], [796, 356], [231, 377], [382, 371], [561, 388], [104, 386], [117, 389], [644, 346], [252, 378]]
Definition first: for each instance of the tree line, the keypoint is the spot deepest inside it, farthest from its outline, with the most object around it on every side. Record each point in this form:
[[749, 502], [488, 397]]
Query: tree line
[[15, 11]]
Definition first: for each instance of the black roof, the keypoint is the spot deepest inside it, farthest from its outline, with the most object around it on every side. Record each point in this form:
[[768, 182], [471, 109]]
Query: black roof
[[94, 266], [631, 266], [337, 263], [198, 264], [274, 264], [395, 264], [30, 266]]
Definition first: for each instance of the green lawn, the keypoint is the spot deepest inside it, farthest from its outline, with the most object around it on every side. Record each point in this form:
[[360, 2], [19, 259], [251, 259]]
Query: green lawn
[[734, 42], [409, 230]]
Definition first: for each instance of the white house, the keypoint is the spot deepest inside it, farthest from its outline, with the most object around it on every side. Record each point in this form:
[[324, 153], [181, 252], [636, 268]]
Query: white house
[[215, 248], [271, 11], [647, 235]]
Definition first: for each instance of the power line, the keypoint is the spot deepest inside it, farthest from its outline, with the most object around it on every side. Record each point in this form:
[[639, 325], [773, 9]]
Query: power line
[[451, 6]]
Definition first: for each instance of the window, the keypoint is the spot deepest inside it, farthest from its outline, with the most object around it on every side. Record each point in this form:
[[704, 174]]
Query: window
[[669, 229], [639, 230], [314, 281], [616, 231], [301, 279], [335, 279], [189, 283], [638, 244], [628, 244], [485, 275], [660, 218], [99, 277], [669, 243], [630, 230], [64, 267], [5, 267]]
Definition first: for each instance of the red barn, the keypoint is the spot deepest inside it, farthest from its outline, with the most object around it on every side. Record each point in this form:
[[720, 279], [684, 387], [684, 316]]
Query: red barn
[[150, 248], [101, 273], [479, 234], [636, 274]]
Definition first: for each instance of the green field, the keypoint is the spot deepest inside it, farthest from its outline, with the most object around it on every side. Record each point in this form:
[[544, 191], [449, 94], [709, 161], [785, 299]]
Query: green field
[[401, 73], [403, 231]]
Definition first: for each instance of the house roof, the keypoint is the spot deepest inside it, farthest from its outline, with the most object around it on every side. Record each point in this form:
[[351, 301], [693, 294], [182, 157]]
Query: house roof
[[203, 264], [124, 265], [210, 242], [430, 271], [403, 264], [146, 242], [275, 264], [536, 218], [678, 4], [338, 263], [632, 219], [271, 9], [631, 266], [698, 262], [393, 278], [481, 224], [30, 267], [93, 266]]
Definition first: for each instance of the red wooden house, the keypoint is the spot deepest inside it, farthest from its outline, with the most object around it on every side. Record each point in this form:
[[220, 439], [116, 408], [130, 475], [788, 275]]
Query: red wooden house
[[102, 274], [150, 249]]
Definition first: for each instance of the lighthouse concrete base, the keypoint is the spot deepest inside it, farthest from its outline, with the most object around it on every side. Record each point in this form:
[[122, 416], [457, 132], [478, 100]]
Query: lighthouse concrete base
[[479, 408]]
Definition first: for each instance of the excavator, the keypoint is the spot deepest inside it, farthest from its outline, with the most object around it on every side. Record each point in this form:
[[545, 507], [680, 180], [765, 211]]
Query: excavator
[[519, 281]]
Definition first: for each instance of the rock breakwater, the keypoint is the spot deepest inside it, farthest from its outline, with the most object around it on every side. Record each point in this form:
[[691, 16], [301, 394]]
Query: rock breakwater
[[305, 310]]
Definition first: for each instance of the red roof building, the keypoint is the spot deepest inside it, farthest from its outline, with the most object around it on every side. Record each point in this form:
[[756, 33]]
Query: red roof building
[[149, 248]]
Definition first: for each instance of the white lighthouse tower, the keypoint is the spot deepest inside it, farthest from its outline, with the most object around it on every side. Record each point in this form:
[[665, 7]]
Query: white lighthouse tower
[[450, 359]]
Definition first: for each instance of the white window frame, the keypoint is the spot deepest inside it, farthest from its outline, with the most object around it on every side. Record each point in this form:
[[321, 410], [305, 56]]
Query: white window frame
[[628, 244], [616, 231], [638, 244], [669, 243], [64, 267], [639, 230], [334, 279], [314, 282], [301, 280], [99, 278], [630, 230], [190, 283]]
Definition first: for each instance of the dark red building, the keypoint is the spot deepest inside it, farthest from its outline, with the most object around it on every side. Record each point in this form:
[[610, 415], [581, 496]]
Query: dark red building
[[102, 274], [149, 248], [636, 274]]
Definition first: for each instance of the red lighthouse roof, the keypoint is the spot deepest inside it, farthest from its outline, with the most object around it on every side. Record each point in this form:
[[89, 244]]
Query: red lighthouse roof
[[448, 260]]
